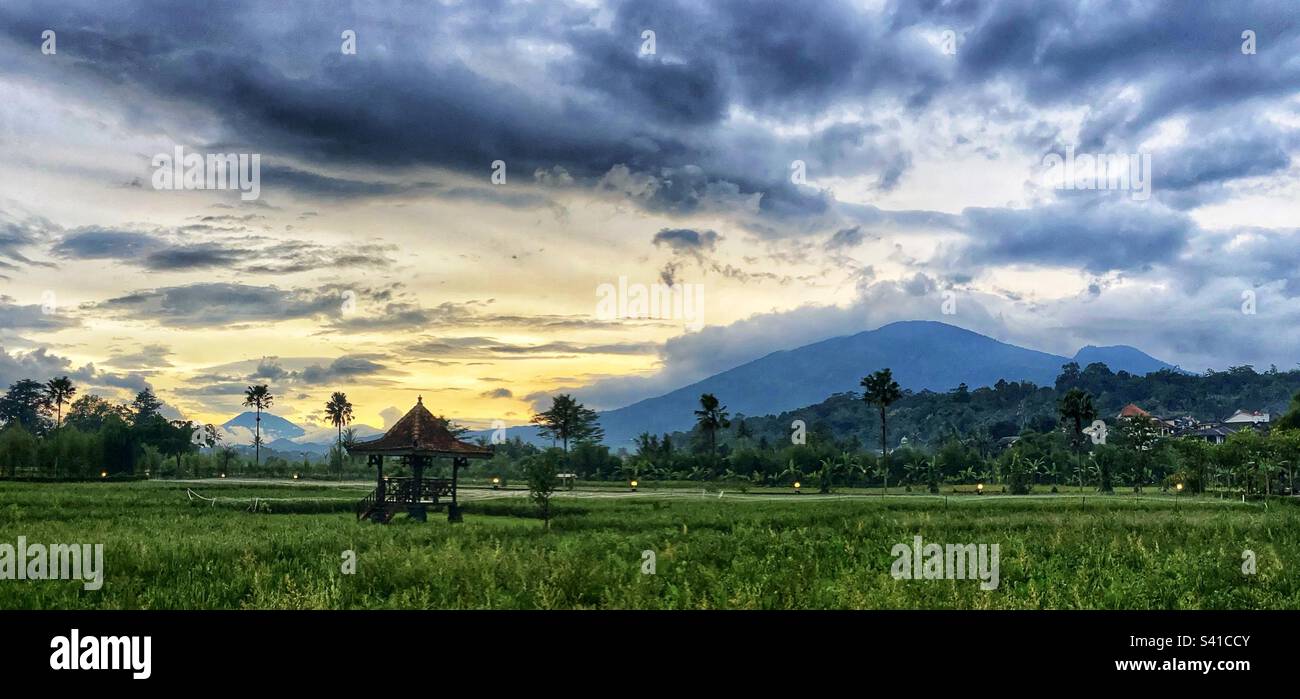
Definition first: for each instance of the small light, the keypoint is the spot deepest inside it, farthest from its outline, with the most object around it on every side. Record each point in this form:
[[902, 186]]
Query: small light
[[979, 487], [295, 476], [797, 485], [633, 484], [223, 475], [103, 474], [1179, 487]]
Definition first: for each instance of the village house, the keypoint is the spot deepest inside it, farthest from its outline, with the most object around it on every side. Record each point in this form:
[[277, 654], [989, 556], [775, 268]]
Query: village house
[[1217, 432], [1242, 417], [1164, 427]]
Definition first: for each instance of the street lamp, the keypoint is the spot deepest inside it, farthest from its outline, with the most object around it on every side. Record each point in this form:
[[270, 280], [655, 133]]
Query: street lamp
[[797, 485], [979, 488]]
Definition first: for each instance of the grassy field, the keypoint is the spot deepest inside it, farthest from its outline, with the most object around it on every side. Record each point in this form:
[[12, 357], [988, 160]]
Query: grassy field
[[164, 550]]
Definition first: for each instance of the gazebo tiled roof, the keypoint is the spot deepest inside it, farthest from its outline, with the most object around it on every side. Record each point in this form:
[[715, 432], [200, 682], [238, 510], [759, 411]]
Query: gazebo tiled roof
[[419, 432]]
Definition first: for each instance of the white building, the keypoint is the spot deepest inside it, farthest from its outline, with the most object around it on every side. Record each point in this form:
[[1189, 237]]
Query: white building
[[1253, 417]]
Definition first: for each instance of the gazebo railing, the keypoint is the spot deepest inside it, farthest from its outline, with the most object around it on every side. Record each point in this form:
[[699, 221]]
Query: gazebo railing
[[407, 491], [412, 490]]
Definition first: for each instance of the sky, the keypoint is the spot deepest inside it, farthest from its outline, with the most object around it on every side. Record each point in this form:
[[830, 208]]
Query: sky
[[448, 190]]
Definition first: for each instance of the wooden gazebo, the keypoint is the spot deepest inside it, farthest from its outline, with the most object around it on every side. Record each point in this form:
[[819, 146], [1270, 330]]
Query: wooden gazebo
[[417, 439]]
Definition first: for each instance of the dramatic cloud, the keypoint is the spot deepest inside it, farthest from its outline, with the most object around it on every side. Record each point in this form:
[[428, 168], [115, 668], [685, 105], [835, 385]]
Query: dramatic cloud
[[1098, 235], [686, 241], [176, 251], [443, 201]]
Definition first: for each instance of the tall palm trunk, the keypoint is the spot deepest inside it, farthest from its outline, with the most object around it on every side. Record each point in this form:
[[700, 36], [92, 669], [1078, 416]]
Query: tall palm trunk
[[884, 452], [257, 441]]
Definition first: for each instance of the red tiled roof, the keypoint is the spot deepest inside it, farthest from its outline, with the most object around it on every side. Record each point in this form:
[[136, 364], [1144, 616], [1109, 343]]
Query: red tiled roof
[[1132, 410], [419, 432]]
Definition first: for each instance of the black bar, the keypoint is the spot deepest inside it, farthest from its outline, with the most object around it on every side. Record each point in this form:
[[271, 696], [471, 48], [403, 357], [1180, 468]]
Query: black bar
[[986, 648]]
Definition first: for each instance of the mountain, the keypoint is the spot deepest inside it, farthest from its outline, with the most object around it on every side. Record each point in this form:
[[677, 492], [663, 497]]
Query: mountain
[[273, 426], [924, 355], [1118, 357], [285, 436]]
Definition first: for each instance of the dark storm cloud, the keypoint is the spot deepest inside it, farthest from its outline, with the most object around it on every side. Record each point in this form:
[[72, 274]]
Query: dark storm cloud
[[341, 370], [15, 237], [1097, 234], [94, 243], [1186, 56], [216, 304], [588, 102], [228, 379], [770, 56], [478, 347], [170, 251], [386, 108], [686, 240], [34, 316], [407, 314], [1256, 256], [846, 238], [146, 357], [41, 365], [1233, 153]]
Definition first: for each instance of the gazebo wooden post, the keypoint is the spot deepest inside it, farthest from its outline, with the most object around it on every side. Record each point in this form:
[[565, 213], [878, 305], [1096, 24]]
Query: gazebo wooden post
[[377, 460], [416, 508], [453, 510]]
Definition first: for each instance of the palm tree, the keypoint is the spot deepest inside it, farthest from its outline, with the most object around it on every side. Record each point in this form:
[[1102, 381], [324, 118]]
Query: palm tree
[[1075, 409], [59, 391], [711, 417], [881, 391], [339, 411], [258, 397]]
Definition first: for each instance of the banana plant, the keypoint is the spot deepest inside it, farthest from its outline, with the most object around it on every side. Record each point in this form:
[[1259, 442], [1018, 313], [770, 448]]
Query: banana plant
[[932, 474], [791, 474]]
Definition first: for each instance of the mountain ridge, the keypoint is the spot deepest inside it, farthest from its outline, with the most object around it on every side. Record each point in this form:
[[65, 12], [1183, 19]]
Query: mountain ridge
[[923, 355]]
